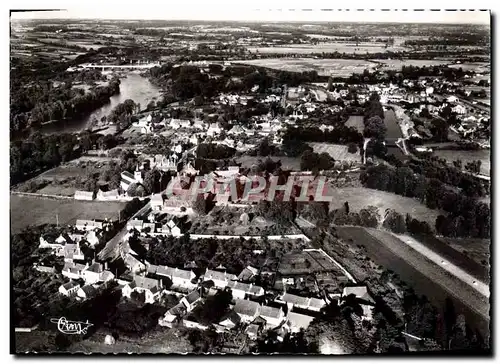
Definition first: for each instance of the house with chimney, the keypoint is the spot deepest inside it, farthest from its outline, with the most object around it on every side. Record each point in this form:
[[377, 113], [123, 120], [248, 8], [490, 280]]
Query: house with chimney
[[220, 279], [152, 288]]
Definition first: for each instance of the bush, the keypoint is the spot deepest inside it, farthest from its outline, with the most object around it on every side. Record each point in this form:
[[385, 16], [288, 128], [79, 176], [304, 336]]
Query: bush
[[352, 148]]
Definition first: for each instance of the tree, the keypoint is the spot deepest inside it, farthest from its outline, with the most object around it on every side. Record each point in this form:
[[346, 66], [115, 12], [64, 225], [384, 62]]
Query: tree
[[395, 222], [352, 148], [375, 128], [215, 307]]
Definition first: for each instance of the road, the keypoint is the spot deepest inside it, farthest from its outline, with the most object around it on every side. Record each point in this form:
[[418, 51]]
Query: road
[[110, 251]]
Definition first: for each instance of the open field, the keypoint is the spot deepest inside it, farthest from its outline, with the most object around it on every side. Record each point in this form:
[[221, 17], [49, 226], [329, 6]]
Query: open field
[[479, 67], [356, 121], [286, 162], [468, 156], [324, 67], [361, 197], [337, 152], [426, 277], [32, 211], [327, 47], [397, 64]]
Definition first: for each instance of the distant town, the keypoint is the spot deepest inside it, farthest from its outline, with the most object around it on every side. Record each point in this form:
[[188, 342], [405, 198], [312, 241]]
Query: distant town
[[250, 188]]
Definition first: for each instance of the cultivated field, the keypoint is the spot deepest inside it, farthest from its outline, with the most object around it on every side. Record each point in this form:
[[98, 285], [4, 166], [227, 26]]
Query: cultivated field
[[32, 211], [426, 277], [324, 67], [327, 47], [307, 262], [356, 121], [478, 250], [337, 152], [361, 197], [397, 64]]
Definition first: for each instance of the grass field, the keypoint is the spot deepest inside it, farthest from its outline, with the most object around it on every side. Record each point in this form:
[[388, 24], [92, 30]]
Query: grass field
[[324, 67], [477, 249], [307, 263], [356, 121], [32, 211], [286, 162], [397, 64], [360, 197], [468, 156], [480, 67], [327, 47], [337, 152]]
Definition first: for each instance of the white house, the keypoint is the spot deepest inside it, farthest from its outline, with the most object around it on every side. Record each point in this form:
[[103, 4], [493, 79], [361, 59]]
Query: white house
[[87, 225], [84, 195], [214, 129], [247, 310], [151, 287], [92, 274], [179, 277], [69, 289], [157, 202], [452, 99], [311, 304], [44, 244], [459, 109], [135, 224], [273, 316], [220, 279], [191, 300], [297, 321], [112, 195], [134, 264], [73, 270], [86, 292], [240, 290]]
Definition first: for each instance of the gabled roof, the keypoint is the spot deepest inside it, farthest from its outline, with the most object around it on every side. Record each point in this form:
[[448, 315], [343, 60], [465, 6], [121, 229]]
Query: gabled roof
[[299, 321], [248, 288], [89, 290], [174, 272], [246, 307], [70, 285], [271, 312], [247, 273], [360, 292], [231, 316], [294, 299], [96, 268], [317, 303], [146, 283], [193, 296], [212, 274], [127, 174]]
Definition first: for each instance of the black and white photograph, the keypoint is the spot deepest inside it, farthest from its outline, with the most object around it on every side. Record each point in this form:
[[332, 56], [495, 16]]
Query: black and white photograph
[[249, 181]]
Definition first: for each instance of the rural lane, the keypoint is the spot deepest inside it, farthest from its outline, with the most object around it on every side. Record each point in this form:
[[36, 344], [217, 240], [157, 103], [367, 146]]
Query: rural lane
[[111, 248]]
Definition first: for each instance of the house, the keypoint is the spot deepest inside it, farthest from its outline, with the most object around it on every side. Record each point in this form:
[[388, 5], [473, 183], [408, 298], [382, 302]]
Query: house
[[247, 310], [364, 298], [236, 130], [157, 202], [44, 244], [240, 290], [179, 277], [452, 99], [230, 320], [86, 292], [112, 195], [173, 316], [135, 224], [191, 300], [134, 264], [194, 139], [128, 179], [220, 279], [311, 304], [297, 321], [92, 274], [73, 270], [69, 289], [253, 331], [248, 273], [198, 124], [84, 195], [150, 287], [273, 316], [87, 225], [91, 238], [44, 269], [459, 109], [214, 129], [72, 252]]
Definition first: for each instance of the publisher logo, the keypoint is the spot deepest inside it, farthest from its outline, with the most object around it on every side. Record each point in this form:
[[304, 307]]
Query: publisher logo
[[71, 327]]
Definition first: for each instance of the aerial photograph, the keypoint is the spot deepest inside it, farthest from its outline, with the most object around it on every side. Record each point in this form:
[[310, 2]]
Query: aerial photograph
[[300, 184]]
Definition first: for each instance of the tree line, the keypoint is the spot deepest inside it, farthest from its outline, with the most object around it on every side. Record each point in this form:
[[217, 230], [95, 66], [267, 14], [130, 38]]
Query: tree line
[[472, 215]]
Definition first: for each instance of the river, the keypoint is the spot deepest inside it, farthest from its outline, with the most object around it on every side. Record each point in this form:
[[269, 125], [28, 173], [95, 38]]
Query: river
[[133, 86]]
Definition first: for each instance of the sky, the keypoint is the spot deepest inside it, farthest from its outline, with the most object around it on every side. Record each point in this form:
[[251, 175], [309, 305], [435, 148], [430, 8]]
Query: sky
[[246, 13]]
